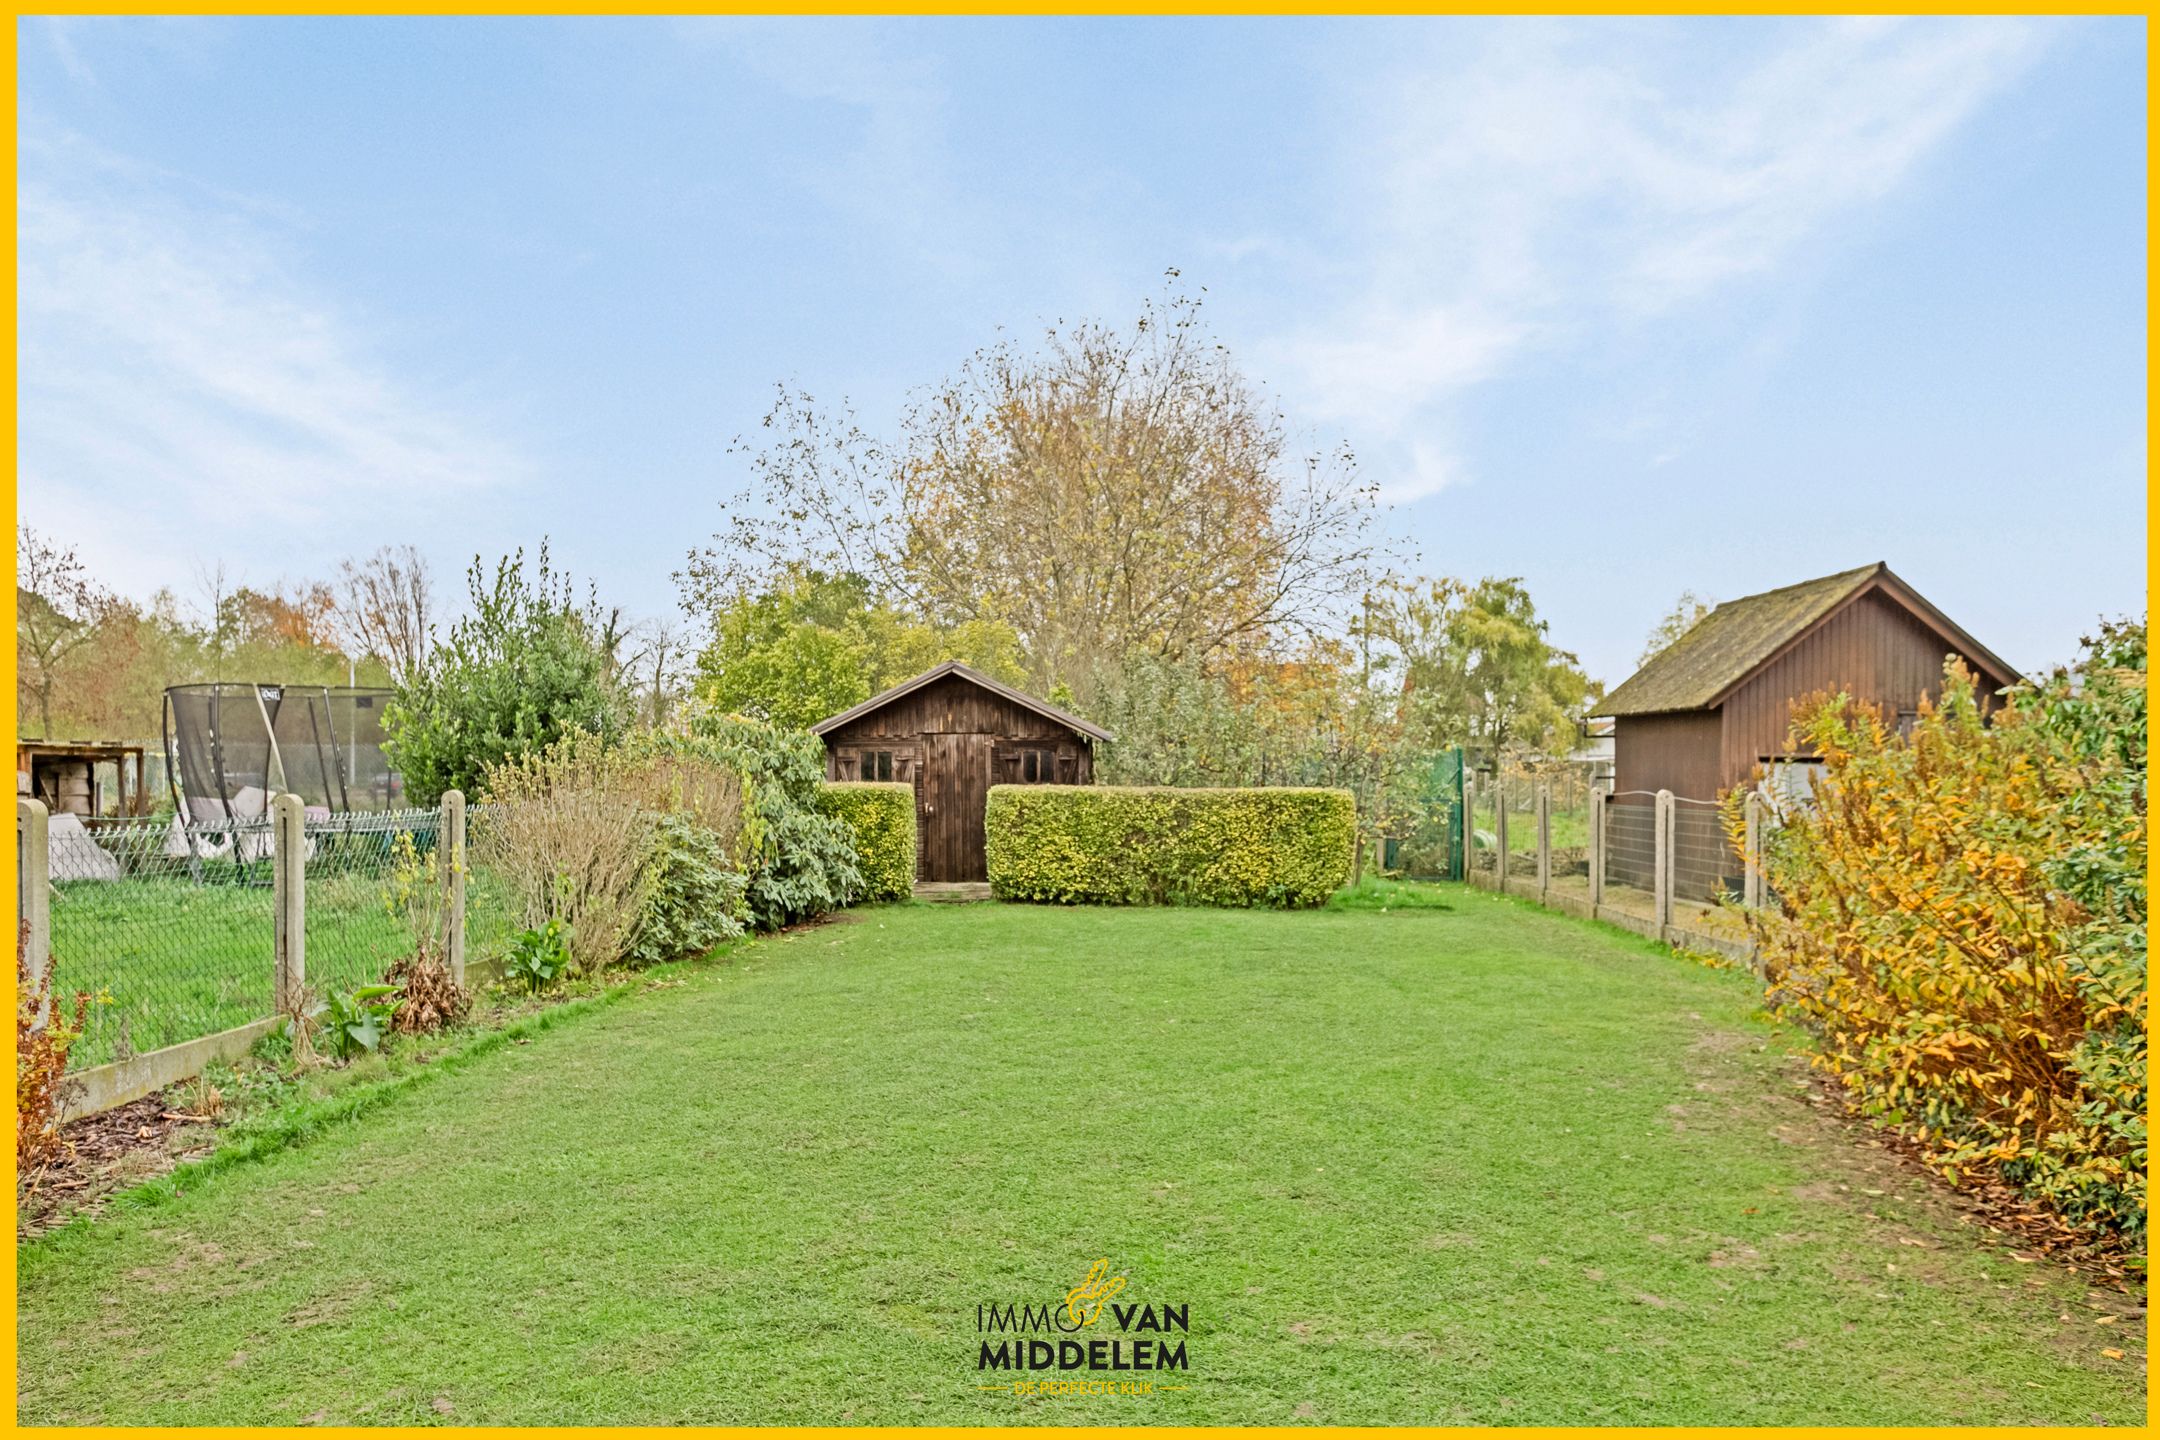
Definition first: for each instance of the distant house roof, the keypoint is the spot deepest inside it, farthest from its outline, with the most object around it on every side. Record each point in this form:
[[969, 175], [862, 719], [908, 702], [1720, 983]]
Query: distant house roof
[[1738, 638], [976, 677]]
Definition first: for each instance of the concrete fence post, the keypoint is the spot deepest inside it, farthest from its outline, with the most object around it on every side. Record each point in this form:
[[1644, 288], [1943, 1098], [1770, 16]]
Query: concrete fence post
[[1662, 864], [450, 845], [33, 889], [1544, 838], [1500, 840], [1597, 849], [288, 869], [1752, 880]]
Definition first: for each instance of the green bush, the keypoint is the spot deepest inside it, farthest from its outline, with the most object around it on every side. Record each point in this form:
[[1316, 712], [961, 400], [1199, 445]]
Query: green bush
[[801, 861], [1113, 845], [694, 901], [519, 672], [881, 817]]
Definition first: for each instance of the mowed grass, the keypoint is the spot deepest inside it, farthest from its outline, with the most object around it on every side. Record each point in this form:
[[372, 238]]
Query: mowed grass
[[1472, 1164]]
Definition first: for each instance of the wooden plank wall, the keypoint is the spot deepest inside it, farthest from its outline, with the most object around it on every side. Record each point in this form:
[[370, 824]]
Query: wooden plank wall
[[1676, 752], [953, 706], [1874, 649]]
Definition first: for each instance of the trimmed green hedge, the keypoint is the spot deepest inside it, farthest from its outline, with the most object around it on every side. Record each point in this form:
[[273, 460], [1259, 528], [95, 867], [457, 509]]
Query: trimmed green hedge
[[881, 816], [1153, 845]]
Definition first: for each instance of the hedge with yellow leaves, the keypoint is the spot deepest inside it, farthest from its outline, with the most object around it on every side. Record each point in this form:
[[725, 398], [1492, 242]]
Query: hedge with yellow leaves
[[1155, 844], [1963, 928]]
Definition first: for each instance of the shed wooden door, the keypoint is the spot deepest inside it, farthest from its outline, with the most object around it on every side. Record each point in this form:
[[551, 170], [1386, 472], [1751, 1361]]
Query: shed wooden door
[[953, 789]]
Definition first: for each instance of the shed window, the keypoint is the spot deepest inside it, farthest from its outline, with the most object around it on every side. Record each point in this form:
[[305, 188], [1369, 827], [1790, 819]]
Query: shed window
[[1038, 767], [877, 765]]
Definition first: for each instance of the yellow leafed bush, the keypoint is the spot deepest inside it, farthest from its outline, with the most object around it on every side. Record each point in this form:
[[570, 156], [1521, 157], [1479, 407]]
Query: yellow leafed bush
[[1963, 928], [1117, 845]]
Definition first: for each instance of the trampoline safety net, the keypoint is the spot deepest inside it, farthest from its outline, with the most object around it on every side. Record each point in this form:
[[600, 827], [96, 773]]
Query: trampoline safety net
[[233, 744]]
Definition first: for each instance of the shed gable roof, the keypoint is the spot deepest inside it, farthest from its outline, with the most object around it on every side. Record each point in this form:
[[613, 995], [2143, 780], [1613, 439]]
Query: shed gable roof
[[1739, 637], [974, 677]]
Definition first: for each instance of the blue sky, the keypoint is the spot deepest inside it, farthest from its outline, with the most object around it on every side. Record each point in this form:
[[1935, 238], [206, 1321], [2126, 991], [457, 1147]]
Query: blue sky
[[1624, 308]]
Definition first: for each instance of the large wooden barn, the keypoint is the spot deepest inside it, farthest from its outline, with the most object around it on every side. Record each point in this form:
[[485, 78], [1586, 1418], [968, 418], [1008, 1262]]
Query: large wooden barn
[[952, 733], [1709, 710]]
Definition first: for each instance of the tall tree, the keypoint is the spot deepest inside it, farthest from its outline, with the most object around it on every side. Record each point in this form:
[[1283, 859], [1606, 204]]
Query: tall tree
[[1686, 612], [1477, 665], [59, 609], [810, 644], [385, 604], [523, 669], [1107, 490]]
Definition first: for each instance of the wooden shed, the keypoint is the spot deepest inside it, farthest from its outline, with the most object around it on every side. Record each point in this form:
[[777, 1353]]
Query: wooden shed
[[952, 733], [71, 776], [1705, 712]]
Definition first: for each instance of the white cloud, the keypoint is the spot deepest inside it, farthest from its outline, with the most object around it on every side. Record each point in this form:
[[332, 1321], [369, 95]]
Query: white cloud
[[184, 381], [1563, 180]]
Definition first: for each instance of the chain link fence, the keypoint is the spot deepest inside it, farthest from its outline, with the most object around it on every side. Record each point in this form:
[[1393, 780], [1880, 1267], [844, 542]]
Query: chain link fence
[[353, 863], [169, 929]]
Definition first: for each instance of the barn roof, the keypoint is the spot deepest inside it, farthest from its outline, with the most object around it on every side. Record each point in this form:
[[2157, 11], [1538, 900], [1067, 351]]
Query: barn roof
[[1732, 642], [975, 677]]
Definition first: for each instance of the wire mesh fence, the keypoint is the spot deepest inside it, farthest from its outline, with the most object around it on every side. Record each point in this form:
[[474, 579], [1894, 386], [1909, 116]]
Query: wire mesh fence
[[1568, 820], [1484, 828], [1705, 867], [1431, 845], [1631, 842], [169, 929]]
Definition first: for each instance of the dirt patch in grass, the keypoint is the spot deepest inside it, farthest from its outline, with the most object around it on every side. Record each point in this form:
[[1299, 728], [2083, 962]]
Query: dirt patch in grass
[[1884, 1170], [111, 1151]]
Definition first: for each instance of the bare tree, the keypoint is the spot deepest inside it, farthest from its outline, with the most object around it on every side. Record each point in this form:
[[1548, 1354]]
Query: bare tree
[[659, 650], [58, 609], [215, 587], [386, 606]]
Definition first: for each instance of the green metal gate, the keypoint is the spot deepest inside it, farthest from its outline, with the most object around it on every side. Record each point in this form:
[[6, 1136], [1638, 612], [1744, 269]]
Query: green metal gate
[[1436, 851]]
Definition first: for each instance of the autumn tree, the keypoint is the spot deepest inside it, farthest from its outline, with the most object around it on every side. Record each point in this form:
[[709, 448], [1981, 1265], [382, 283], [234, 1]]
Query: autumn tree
[[385, 604], [59, 609], [1104, 491], [1686, 612], [295, 615]]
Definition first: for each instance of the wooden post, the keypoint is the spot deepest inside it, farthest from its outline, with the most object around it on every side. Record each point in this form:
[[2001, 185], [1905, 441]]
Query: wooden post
[[1499, 795], [1597, 849], [288, 930], [1662, 864], [1544, 838], [450, 846], [33, 889], [1468, 823]]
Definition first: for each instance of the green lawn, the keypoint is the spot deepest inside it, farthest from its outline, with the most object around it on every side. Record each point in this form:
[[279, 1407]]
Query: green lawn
[[1463, 1164], [1570, 829]]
